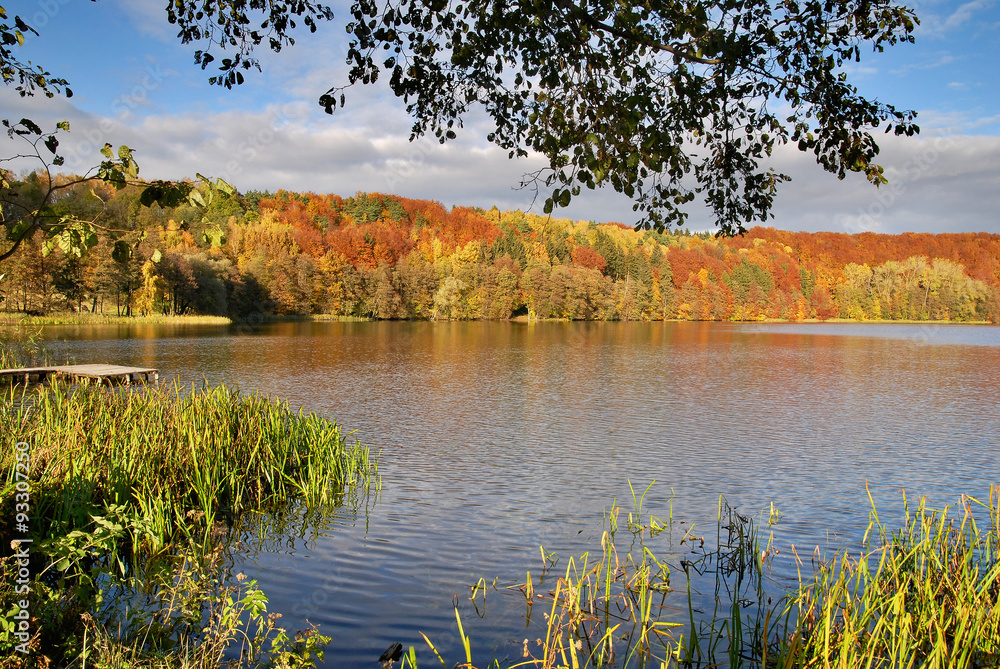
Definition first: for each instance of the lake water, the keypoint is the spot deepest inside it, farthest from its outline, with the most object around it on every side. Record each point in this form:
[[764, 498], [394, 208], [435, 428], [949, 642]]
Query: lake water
[[497, 438]]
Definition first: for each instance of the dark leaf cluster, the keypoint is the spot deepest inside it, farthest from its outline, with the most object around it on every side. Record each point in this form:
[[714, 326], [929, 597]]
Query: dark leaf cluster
[[26, 77], [666, 101], [240, 26]]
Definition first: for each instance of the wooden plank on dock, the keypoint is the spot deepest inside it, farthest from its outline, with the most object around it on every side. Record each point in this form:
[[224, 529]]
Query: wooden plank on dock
[[24, 370], [27, 373], [100, 373]]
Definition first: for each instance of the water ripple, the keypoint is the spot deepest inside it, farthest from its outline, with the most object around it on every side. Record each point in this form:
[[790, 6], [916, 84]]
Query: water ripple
[[497, 438]]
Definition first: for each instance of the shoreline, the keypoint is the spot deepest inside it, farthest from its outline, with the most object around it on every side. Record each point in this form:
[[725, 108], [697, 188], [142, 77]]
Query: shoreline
[[86, 318], [15, 319]]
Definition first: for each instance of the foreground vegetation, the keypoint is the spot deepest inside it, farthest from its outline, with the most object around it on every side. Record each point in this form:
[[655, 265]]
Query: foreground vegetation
[[379, 256], [925, 595], [135, 499]]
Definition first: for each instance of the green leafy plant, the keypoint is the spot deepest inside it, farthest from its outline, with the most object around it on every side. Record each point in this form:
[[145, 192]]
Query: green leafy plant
[[135, 494]]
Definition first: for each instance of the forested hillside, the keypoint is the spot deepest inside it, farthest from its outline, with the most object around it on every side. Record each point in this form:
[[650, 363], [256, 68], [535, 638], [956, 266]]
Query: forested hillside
[[382, 256]]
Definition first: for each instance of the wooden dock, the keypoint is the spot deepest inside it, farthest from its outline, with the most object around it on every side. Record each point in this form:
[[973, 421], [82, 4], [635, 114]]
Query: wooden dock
[[100, 373]]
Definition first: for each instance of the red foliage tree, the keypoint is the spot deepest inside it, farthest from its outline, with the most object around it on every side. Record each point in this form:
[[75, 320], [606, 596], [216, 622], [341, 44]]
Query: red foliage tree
[[584, 256]]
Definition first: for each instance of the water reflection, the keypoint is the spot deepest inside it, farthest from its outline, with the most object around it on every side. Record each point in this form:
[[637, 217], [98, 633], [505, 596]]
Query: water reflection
[[497, 438]]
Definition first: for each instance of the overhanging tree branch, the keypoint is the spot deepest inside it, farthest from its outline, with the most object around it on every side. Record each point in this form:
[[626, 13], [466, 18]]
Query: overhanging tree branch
[[629, 112], [635, 37], [22, 218]]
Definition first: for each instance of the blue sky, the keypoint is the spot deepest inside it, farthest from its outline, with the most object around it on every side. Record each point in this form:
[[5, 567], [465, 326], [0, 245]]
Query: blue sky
[[135, 84]]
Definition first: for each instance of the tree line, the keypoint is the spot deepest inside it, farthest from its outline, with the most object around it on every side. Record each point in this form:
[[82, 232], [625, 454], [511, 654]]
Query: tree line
[[387, 257]]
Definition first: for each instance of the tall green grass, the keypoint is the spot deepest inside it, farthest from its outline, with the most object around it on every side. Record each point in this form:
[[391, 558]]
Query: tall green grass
[[210, 454], [21, 346], [926, 595], [135, 494]]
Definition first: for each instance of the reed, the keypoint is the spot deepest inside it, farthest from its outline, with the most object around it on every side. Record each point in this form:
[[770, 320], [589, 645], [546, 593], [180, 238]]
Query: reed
[[604, 609], [133, 490], [20, 346], [926, 595], [209, 454]]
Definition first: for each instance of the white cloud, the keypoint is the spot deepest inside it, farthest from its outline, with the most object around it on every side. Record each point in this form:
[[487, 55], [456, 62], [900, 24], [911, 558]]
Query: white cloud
[[937, 184], [940, 181], [858, 71], [934, 25], [985, 121], [148, 18], [965, 12], [928, 61]]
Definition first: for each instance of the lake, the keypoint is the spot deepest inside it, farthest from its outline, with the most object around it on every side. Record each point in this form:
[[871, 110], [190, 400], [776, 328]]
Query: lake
[[497, 438]]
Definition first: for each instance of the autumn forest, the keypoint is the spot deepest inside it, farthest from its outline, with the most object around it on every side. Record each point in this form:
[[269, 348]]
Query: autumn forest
[[387, 257]]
